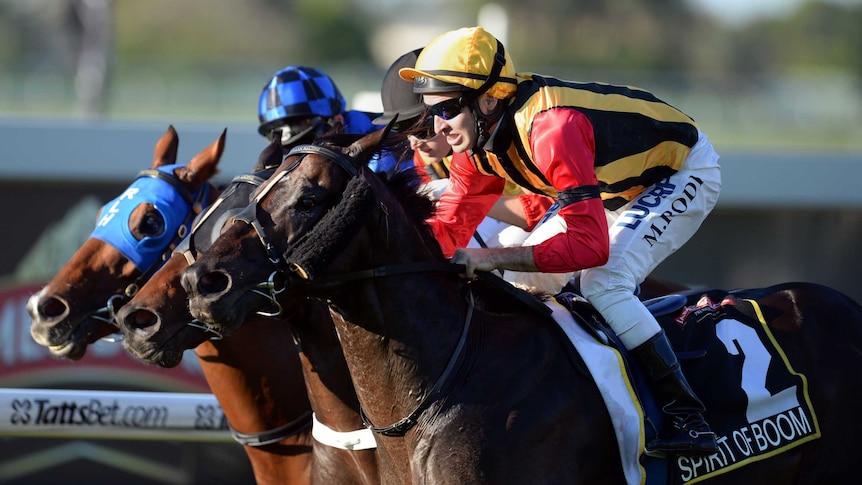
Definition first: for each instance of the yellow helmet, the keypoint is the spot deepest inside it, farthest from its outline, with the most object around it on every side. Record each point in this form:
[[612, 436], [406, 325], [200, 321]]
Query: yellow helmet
[[468, 59]]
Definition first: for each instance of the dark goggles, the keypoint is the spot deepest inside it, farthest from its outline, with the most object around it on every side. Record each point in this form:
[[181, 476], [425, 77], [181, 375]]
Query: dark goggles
[[405, 125], [295, 129], [448, 109], [421, 130]]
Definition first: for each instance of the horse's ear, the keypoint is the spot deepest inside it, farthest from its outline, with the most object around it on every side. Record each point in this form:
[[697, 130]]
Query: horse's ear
[[203, 166], [271, 156], [166, 148], [362, 149]]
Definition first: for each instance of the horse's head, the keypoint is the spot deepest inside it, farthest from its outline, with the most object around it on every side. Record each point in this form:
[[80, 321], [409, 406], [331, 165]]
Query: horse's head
[[301, 224], [134, 234], [156, 324]]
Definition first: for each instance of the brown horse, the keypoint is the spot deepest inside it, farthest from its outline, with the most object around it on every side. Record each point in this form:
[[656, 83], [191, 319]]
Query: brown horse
[[157, 328], [466, 385], [69, 313]]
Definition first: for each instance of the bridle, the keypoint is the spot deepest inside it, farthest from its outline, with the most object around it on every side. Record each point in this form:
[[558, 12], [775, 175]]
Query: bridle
[[166, 187], [189, 249], [269, 288], [286, 270]]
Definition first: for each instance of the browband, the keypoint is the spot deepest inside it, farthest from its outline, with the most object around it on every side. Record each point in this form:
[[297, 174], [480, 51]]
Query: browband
[[338, 157]]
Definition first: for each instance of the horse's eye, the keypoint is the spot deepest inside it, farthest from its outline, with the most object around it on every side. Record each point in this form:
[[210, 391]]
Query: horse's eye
[[152, 224], [307, 202]]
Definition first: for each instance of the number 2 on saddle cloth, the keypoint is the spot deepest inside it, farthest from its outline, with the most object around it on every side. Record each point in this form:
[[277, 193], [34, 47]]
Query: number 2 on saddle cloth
[[757, 404]]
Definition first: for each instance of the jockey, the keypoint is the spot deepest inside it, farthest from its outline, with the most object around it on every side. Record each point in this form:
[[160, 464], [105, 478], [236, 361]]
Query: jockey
[[399, 100], [432, 157], [634, 179], [300, 103]]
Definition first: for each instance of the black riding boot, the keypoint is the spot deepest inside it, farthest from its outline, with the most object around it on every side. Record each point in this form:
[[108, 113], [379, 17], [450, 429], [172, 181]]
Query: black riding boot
[[688, 433]]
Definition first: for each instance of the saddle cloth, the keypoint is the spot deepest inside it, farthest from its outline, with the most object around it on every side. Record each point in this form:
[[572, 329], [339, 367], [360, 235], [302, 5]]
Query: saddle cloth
[[756, 402], [606, 366]]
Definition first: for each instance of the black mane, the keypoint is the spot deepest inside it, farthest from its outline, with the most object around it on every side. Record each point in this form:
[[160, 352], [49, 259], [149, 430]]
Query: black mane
[[404, 185], [315, 250]]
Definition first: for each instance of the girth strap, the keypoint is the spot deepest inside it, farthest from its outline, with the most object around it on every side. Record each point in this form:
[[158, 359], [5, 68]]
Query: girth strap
[[274, 435], [360, 439], [404, 425]]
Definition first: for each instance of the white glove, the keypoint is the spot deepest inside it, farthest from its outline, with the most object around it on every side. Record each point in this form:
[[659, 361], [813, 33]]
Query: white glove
[[434, 189]]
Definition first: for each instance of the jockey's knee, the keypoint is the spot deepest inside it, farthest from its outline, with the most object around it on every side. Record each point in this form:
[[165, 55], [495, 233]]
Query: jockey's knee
[[621, 309], [603, 288]]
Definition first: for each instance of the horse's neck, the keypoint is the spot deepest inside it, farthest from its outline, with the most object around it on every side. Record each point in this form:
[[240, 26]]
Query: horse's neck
[[402, 332], [256, 376], [331, 393], [330, 387]]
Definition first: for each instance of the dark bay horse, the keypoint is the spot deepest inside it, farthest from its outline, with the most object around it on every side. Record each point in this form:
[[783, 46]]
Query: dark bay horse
[[471, 426], [268, 410], [464, 384], [156, 329]]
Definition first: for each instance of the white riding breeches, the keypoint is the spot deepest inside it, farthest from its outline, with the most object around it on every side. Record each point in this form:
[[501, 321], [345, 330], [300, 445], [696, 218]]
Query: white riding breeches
[[643, 233]]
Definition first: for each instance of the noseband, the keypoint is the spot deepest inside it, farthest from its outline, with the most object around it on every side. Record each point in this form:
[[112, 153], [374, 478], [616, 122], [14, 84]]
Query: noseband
[[269, 289]]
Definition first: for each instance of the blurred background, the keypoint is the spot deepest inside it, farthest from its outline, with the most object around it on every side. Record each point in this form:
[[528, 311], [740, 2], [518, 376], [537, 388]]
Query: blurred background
[[768, 73], [88, 86]]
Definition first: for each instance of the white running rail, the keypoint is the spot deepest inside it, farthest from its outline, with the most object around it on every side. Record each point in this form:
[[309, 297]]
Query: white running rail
[[54, 413]]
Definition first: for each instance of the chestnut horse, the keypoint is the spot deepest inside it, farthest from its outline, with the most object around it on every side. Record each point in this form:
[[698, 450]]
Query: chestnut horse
[[68, 315], [157, 328], [268, 411], [465, 384]]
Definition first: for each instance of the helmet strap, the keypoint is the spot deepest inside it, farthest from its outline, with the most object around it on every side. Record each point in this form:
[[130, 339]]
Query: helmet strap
[[483, 121], [482, 125], [494, 75]]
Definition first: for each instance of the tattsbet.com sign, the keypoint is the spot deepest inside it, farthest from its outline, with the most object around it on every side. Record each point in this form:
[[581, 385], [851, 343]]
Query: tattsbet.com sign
[[111, 414]]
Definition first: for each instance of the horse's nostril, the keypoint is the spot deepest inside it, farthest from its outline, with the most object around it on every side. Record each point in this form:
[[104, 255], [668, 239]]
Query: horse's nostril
[[52, 307], [142, 318], [213, 282]]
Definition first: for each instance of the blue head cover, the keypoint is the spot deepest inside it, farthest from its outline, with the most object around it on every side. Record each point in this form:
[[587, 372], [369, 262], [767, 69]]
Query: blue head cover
[[174, 205]]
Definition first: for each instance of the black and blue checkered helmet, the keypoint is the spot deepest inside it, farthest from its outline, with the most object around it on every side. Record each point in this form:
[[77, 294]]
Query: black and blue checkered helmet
[[298, 92]]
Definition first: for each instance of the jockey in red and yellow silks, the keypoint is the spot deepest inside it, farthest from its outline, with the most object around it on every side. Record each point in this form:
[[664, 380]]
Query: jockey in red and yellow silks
[[562, 118], [633, 178]]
